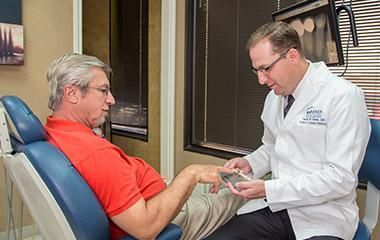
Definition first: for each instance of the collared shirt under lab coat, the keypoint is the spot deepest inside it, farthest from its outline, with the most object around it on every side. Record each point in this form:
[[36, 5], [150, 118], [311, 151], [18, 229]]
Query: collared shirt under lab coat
[[314, 154]]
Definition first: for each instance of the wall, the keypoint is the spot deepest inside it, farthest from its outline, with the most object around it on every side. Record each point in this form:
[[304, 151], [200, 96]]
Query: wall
[[47, 34], [96, 29]]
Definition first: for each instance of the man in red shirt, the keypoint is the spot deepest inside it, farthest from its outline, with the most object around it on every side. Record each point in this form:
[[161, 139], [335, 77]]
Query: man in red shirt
[[131, 192]]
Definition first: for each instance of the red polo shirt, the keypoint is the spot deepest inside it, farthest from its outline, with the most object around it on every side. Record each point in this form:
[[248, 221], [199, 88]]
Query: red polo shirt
[[118, 180]]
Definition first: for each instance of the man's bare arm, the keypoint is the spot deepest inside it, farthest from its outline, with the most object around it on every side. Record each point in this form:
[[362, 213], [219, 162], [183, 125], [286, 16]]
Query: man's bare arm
[[146, 219]]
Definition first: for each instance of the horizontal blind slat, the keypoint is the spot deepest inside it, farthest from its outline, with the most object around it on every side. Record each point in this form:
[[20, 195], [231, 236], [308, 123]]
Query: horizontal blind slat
[[363, 61]]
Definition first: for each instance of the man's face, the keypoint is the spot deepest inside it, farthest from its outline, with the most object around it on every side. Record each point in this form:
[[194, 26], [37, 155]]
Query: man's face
[[271, 68], [95, 104]]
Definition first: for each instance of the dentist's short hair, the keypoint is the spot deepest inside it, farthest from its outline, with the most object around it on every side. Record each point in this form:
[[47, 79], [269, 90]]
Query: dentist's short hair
[[281, 35]]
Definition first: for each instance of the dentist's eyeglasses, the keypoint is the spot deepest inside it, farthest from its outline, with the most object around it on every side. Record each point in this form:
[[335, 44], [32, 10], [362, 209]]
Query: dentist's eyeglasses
[[270, 66]]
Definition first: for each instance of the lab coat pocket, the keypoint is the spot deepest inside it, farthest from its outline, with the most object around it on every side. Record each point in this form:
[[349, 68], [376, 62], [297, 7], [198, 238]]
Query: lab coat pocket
[[310, 142]]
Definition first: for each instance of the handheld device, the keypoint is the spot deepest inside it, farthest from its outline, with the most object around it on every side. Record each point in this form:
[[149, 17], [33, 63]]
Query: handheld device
[[234, 177]]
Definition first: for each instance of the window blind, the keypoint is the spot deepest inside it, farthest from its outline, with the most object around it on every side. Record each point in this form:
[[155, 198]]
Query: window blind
[[363, 63], [224, 100]]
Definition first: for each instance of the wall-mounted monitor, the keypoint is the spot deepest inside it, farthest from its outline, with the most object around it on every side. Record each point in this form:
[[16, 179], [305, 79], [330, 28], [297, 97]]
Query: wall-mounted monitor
[[316, 23]]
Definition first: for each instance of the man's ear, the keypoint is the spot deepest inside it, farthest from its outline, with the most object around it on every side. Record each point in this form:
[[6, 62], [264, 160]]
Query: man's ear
[[71, 93], [294, 56]]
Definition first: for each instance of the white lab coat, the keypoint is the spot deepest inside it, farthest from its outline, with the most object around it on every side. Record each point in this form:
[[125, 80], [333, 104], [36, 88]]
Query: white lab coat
[[314, 154]]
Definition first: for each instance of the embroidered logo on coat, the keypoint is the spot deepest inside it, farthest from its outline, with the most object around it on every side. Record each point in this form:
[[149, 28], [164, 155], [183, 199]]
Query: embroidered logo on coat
[[313, 116]]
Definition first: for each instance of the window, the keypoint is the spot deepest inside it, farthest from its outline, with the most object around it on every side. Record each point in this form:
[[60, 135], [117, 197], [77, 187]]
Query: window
[[363, 64], [129, 37], [223, 98]]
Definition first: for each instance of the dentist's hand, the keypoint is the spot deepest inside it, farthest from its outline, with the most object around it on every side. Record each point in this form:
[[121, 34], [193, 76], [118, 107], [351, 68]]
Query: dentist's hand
[[240, 163], [249, 189]]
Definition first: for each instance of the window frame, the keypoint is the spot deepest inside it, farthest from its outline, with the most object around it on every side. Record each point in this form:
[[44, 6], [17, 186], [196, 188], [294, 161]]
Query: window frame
[[189, 72]]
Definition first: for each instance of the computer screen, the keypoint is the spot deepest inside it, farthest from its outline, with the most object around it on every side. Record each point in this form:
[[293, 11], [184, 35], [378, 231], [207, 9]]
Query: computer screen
[[316, 23]]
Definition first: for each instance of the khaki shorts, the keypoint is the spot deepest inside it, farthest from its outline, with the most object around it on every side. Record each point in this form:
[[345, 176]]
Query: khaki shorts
[[202, 214]]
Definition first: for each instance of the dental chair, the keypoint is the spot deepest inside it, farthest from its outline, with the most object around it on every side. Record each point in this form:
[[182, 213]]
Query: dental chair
[[370, 172], [57, 197]]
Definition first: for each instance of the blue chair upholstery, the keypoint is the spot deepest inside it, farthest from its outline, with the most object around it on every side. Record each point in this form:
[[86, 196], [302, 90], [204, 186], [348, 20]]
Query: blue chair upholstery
[[369, 171], [74, 199]]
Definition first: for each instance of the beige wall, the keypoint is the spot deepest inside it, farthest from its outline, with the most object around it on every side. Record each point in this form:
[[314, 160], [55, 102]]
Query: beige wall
[[47, 34], [96, 29]]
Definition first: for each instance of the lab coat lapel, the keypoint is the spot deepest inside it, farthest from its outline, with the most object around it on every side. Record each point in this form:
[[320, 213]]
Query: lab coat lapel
[[309, 89]]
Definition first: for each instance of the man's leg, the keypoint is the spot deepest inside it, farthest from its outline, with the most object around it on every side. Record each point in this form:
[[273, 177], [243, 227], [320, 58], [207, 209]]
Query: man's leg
[[204, 213], [261, 224]]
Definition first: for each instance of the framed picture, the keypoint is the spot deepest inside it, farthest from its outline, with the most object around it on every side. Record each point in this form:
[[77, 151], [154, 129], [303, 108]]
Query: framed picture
[[11, 33], [11, 44]]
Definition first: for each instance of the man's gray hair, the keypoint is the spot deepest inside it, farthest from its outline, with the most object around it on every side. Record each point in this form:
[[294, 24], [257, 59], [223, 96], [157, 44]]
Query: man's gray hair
[[73, 69]]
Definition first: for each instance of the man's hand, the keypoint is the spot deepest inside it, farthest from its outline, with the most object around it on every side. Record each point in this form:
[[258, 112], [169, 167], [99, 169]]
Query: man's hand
[[207, 174], [146, 218]]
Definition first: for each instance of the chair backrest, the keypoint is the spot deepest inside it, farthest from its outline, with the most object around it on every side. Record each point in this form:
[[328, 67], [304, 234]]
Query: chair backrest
[[371, 165], [59, 200], [370, 172]]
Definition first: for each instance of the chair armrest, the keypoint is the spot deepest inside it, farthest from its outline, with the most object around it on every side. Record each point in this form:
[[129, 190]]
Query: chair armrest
[[171, 232]]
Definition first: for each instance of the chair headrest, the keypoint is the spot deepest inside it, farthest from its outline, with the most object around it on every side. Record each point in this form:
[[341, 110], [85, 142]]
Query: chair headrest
[[24, 125]]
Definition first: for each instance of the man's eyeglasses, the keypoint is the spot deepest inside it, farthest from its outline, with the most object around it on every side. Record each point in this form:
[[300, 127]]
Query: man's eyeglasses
[[104, 90], [268, 68]]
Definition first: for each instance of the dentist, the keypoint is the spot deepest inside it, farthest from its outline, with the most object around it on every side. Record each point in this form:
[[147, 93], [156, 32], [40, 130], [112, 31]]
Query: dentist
[[316, 130]]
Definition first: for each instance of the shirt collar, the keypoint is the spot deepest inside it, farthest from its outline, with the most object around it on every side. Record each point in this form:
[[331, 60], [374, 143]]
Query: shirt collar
[[300, 85], [67, 125]]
